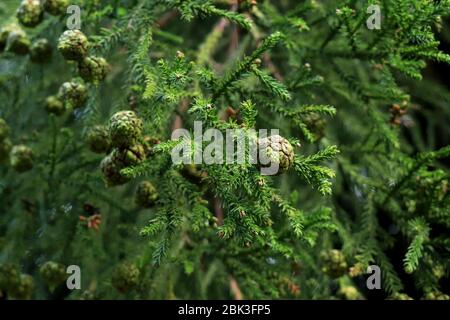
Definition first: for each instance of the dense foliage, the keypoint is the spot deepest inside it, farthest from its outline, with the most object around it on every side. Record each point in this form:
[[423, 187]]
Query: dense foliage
[[87, 179]]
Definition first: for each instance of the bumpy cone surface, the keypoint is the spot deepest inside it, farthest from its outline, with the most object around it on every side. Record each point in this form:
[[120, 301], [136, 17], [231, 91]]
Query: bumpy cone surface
[[73, 94], [130, 156], [25, 288], [73, 45], [125, 129], [111, 172], [349, 293], [334, 263], [399, 296], [316, 124], [277, 150], [149, 144], [436, 295], [21, 158], [93, 69], [40, 51], [97, 138], [18, 42], [54, 105], [126, 277], [56, 7], [4, 34], [146, 195], [30, 13], [53, 273], [9, 277]]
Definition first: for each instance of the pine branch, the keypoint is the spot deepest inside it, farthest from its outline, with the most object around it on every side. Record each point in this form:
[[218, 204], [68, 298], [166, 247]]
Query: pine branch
[[419, 228], [246, 64]]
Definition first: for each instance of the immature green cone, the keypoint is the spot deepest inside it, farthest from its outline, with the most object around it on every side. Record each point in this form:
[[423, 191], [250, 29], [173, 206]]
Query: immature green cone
[[56, 7], [30, 13], [436, 295], [5, 149], [125, 277], [125, 129], [54, 105], [316, 124], [5, 130], [73, 45], [9, 277], [349, 293], [73, 94], [18, 42], [149, 143], [25, 288], [21, 158], [334, 263], [356, 270], [129, 156], [278, 150], [53, 274], [146, 195], [97, 139], [93, 69], [193, 174], [439, 270], [41, 51], [4, 34], [111, 172], [119, 159], [399, 296]]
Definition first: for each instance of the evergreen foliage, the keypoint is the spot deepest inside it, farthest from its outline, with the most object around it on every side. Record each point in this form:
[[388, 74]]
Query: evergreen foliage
[[366, 112]]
